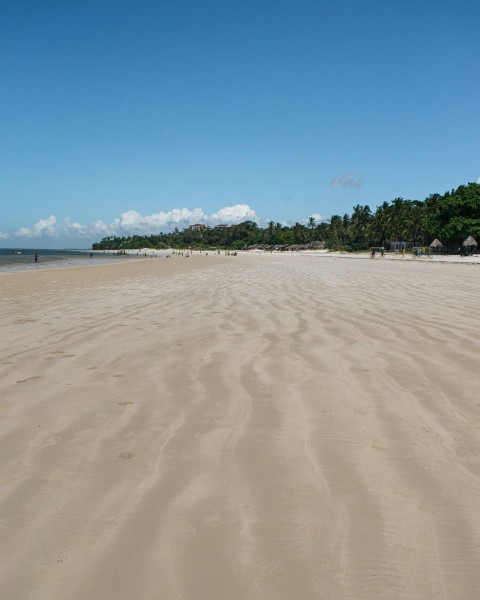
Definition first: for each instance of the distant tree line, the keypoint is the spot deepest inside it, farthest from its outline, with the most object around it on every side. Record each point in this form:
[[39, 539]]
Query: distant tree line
[[450, 218]]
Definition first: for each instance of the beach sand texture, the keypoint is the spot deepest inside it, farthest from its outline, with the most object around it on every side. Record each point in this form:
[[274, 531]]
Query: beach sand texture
[[255, 428]]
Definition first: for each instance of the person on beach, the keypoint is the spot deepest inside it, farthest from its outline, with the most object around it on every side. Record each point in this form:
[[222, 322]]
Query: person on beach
[[36, 257]]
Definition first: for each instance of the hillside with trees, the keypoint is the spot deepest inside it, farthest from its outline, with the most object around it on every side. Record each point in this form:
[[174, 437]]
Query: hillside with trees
[[450, 218]]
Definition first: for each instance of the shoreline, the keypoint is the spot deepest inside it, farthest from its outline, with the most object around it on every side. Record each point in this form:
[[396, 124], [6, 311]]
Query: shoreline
[[146, 253], [60, 262]]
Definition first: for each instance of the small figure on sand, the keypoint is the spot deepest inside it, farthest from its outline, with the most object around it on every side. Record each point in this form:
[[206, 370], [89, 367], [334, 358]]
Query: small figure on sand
[[36, 257], [373, 254]]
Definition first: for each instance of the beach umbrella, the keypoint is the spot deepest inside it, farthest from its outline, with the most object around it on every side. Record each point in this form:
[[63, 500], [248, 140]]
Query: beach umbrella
[[436, 244], [470, 242]]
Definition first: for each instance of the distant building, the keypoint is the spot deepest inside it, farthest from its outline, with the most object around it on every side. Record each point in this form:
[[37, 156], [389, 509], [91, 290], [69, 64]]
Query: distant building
[[222, 226], [199, 227]]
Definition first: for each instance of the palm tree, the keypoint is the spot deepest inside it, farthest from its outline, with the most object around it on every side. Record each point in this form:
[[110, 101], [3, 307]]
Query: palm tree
[[322, 231], [299, 232], [360, 227], [336, 231], [381, 223]]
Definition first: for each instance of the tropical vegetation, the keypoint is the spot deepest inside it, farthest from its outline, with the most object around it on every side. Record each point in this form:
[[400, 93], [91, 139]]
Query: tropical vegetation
[[450, 217]]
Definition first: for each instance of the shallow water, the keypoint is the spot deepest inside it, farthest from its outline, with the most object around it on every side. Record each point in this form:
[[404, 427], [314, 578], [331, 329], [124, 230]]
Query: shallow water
[[23, 259]]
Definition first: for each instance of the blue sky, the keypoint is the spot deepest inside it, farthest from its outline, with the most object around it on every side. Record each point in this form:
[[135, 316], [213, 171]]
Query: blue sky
[[136, 117]]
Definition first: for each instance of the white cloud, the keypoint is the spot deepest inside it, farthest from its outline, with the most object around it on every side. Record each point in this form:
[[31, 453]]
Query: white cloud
[[74, 228], [4, 236], [318, 217], [235, 214], [42, 228], [132, 221], [352, 180], [24, 232], [100, 228], [45, 227]]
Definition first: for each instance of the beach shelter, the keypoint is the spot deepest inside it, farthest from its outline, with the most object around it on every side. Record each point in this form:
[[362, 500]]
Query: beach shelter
[[317, 244], [436, 244], [469, 245], [470, 242]]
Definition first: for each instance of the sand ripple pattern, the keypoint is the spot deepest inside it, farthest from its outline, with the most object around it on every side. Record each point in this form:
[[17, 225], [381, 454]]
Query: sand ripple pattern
[[260, 428]]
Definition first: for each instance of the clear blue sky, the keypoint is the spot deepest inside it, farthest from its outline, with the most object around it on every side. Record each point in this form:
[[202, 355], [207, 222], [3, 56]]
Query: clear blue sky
[[124, 117]]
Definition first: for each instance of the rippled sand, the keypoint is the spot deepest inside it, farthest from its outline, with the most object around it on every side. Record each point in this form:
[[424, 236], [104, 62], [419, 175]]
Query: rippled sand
[[255, 428]]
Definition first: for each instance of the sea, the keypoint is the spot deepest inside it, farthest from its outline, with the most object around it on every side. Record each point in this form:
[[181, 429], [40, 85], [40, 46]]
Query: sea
[[23, 259]]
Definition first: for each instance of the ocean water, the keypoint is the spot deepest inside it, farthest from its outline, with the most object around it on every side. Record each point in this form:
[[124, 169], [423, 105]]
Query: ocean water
[[22, 259]]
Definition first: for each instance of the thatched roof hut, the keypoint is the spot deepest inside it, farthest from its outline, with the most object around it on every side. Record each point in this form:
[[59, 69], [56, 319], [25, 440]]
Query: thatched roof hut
[[436, 244], [470, 242]]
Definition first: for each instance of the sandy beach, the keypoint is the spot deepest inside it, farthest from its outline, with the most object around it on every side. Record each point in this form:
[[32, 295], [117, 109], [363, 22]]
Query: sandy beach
[[259, 427]]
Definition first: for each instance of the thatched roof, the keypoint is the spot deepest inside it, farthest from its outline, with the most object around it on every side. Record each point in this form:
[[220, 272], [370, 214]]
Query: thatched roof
[[470, 241], [436, 244]]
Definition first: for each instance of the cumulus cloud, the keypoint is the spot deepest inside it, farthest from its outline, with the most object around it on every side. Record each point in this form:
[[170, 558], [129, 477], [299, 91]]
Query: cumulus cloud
[[4, 236], [352, 180], [73, 228], [24, 232], [235, 214], [132, 222], [100, 228], [317, 216], [42, 228]]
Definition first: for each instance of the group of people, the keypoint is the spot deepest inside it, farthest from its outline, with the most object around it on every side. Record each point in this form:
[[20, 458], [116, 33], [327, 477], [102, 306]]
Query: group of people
[[190, 252]]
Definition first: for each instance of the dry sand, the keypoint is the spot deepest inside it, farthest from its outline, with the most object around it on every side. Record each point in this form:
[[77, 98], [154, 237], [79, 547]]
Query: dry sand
[[255, 428]]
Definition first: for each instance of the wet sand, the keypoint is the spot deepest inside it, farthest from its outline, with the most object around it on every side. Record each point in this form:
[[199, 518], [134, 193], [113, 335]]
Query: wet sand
[[255, 428]]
